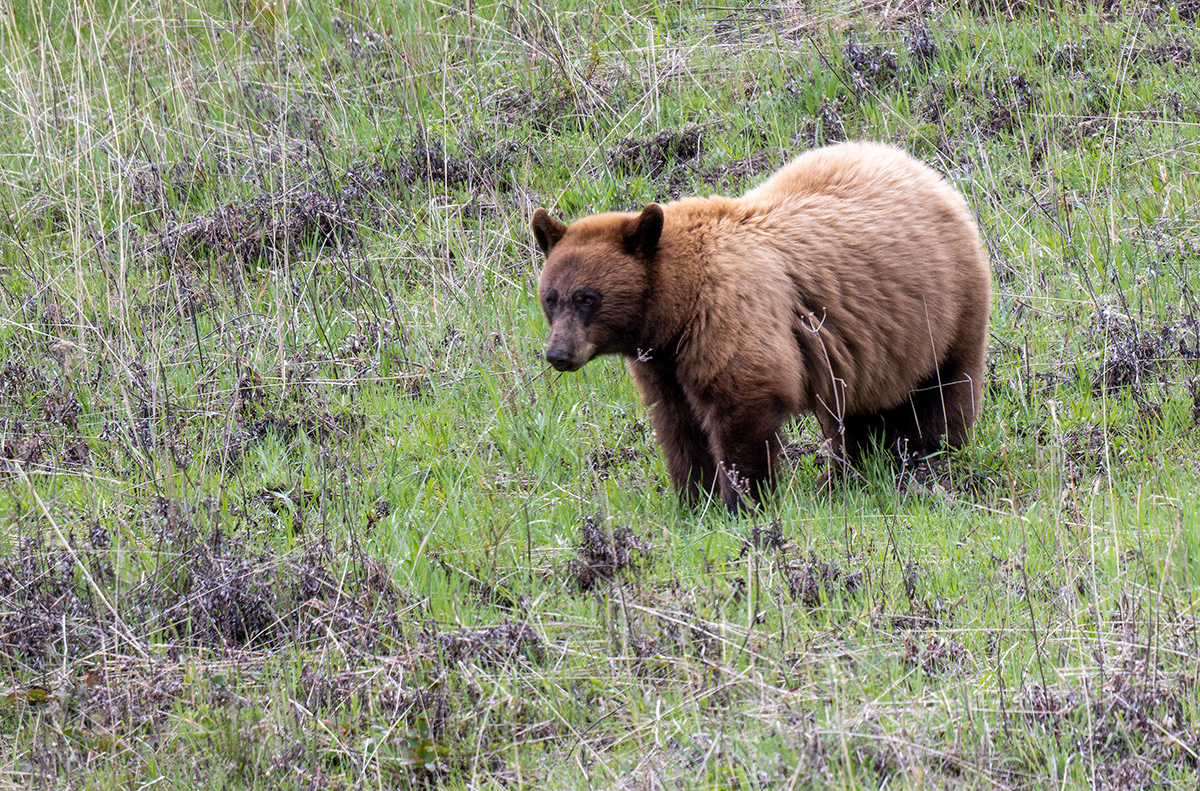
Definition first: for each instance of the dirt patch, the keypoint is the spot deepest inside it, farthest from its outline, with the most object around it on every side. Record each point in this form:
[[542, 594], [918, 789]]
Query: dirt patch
[[1011, 10], [1176, 52], [1069, 56], [768, 538], [60, 406], [428, 163], [40, 594], [19, 382], [933, 103], [939, 475], [798, 450], [600, 558], [732, 176], [1086, 446], [545, 108], [261, 412], [651, 155], [234, 596], [167, 186], [317, 425], [481, 164], [77, 453], [1007, 99], [21, 444], [1175, 107], [1148, 359], [272, 225], [42, 421], [826, 127], [1091, 127]]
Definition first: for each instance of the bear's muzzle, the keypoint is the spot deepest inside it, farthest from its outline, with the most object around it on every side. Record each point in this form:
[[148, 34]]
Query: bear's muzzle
[[561, 360]]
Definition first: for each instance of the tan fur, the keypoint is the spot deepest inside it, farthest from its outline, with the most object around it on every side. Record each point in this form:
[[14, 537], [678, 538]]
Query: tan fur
[[851, 284]]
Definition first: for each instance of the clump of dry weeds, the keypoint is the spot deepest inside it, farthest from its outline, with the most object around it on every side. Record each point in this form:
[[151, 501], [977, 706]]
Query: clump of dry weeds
[[812, 581], [1134, 721], [879, 67], [267, 229], [600, 558], [200, 591], [492, 644], [650, 155], [921, 44], [1133, 354]]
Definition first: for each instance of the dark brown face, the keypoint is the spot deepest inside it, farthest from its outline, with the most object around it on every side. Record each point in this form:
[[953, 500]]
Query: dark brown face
[[593, 287], [570, 315]]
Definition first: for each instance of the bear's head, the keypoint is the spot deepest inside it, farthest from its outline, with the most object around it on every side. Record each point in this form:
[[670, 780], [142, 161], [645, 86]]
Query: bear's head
[[595, 286]]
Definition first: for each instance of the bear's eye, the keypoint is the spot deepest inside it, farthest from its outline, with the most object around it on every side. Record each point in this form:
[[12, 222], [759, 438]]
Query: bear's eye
[[587, 304], [551, 298]]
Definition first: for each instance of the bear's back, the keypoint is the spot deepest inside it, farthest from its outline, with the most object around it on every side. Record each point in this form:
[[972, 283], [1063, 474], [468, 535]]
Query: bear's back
[[858, 169]]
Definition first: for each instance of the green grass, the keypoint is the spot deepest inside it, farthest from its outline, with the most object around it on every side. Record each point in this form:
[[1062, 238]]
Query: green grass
[[291, 501]]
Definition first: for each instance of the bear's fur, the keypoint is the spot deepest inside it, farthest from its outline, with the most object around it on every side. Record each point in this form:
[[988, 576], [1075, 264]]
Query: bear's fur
[[851, 284]]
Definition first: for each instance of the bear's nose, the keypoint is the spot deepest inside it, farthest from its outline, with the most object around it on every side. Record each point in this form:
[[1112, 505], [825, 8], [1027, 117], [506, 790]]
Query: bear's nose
[[558, 358]]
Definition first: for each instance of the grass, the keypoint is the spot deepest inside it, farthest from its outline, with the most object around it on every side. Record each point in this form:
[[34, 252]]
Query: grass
[[291, 501]]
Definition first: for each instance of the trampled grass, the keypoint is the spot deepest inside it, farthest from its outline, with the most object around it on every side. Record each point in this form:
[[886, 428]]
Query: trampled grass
[[291, 500]]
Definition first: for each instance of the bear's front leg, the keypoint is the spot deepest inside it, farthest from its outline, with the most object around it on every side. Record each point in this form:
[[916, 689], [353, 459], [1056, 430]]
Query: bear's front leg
[[685, 449], [684, 443], [745, 442]]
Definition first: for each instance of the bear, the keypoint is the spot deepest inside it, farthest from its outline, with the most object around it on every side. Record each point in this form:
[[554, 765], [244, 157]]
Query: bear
[[852, 284]]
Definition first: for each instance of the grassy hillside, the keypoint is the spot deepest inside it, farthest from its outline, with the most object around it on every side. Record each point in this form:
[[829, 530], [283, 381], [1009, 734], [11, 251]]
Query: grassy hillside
[[288, 498]]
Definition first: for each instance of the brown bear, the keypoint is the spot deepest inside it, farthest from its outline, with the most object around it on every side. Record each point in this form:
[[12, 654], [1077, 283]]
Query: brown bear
[[851, 284]]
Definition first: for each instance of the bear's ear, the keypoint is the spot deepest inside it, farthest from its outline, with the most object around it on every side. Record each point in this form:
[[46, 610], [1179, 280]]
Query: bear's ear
[[641, 236], [547, 230]]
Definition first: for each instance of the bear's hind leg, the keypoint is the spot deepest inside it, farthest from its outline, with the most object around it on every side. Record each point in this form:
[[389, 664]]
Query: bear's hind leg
[[862, 432], [946, 404], [959, 399], [941, 409], [846, 440]]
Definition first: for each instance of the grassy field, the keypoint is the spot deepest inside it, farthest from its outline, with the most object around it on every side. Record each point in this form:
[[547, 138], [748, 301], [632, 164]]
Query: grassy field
[[290, 499]]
